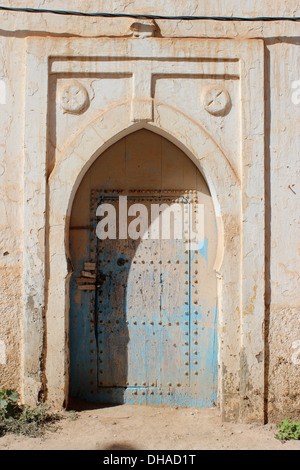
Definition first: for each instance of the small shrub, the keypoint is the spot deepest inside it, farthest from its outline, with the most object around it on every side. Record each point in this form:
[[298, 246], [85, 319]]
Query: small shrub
[[288, 430], [22, 419]]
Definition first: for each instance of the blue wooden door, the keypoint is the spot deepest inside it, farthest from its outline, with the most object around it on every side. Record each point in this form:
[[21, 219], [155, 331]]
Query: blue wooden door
[[148, 336]]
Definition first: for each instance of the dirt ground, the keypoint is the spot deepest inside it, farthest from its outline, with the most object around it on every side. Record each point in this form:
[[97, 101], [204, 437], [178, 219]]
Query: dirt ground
[[136, 427]]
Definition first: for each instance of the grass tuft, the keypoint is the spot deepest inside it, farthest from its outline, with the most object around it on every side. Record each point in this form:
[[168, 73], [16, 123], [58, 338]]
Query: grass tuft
[[288, 430], [22, 419]]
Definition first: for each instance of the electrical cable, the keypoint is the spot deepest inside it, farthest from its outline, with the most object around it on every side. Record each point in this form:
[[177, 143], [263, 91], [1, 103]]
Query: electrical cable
[[150, 17]]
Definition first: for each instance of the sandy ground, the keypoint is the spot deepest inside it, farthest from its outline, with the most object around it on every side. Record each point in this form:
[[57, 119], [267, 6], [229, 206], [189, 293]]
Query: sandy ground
[[150, 428]]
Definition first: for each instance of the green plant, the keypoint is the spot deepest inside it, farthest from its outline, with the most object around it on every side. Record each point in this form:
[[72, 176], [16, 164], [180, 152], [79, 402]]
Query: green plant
[[22, 419], [288, 430], [9, 403]]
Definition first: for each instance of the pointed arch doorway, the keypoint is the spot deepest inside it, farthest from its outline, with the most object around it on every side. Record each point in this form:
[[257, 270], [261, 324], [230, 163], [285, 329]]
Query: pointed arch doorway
[[143, 312]]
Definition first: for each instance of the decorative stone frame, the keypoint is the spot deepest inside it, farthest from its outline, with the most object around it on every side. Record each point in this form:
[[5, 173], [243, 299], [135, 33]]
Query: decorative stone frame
[[238, 202]]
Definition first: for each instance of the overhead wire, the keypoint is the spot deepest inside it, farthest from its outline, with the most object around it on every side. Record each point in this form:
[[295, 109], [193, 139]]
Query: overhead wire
[[148, 16]]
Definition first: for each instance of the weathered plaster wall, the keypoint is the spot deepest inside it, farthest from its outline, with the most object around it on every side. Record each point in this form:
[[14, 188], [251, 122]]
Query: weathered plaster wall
[[30, 24], [282, 328], [11, 210]]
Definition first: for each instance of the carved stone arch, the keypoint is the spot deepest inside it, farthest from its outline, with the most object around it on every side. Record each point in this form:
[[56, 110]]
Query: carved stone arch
[[186, 134], [223, 183]]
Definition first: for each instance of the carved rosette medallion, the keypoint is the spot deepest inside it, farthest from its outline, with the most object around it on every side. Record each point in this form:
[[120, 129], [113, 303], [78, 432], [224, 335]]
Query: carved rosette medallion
[[216, 100], [74, 98]]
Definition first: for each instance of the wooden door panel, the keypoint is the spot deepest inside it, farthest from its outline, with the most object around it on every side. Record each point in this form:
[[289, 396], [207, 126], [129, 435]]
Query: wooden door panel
[[155, 336]]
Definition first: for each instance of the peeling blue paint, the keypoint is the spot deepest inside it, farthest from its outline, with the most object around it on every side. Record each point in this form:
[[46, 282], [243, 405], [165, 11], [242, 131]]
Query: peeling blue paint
[[204, 250]]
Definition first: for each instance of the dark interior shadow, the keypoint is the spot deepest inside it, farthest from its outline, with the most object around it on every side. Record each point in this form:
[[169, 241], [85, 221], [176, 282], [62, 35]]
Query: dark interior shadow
[[76, 404]]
